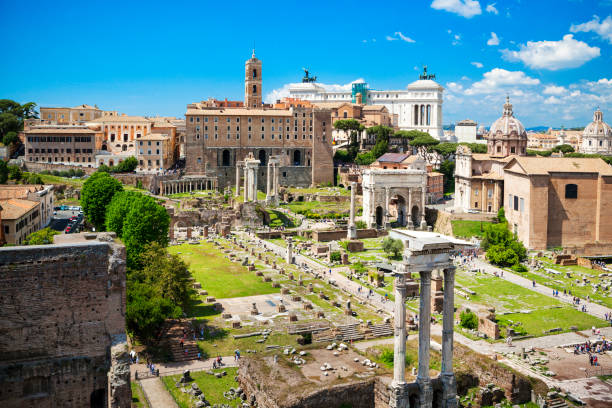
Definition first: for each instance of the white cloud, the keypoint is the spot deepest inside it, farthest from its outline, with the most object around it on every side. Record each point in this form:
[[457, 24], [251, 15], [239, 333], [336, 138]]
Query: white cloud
[[553, 55], [554, 90], [454, 87], [499, 79], [477, 64], [603, 29], [456, 39], [465, 8], [491, 8], [605, 81], [494, 40], [399, 36], [283, 91], [552, 100]]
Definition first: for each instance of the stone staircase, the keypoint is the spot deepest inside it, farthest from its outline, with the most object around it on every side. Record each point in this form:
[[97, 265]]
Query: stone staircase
[[349, 332], [382, 330], [173, 336], [556, 402]]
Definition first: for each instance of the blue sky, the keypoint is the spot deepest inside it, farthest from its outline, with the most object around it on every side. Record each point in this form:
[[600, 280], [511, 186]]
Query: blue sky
[[553, 57]]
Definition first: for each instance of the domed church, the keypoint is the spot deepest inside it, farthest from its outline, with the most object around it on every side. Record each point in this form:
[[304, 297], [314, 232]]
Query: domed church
[[507, 135], [597, 136]]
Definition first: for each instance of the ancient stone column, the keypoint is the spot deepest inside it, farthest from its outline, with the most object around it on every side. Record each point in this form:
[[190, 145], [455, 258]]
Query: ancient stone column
[[269, 184], [449, 385], [399, 357], [423, 222], [289, 254], [386, 216], [246, 183], [410, 224], [254, 185], [352, 229], [237, 194], [276, 179], [423, 380]]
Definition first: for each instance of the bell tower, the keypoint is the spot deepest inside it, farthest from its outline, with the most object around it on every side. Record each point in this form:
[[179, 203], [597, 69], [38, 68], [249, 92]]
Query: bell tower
[[252, 83]]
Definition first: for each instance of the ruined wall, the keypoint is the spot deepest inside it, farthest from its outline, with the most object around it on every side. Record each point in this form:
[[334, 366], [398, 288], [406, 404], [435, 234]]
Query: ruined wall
[[61, 308], [37, 167], [335, 235]]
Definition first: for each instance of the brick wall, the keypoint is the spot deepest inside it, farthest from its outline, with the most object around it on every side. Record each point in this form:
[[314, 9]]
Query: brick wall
[[61, 308]]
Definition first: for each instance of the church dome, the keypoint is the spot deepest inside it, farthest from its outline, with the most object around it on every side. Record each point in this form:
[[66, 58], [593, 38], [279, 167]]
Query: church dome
[[507, 125], [597, 128]]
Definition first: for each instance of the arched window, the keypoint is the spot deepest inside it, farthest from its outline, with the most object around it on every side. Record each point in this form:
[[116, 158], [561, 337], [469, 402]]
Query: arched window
[[571, 191], [262, 158], [297, 158], [225, 158]]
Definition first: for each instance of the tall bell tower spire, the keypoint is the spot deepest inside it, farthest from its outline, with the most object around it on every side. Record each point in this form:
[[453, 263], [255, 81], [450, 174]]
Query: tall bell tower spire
[[252, 82]]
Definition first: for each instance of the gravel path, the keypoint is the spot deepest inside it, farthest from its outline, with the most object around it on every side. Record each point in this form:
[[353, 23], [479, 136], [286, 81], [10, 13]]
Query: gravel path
[[157, 395]]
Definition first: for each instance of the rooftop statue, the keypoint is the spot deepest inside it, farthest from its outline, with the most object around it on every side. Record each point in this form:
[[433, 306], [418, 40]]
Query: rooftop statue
[[307, 78]]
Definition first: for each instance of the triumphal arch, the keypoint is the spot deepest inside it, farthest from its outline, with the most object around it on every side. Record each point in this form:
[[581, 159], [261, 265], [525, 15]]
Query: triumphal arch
[[394, 195]]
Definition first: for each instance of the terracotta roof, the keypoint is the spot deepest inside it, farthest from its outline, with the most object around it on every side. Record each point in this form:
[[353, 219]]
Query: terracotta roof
[[486, 156], [18, 191], [59, 130], [330, 105], [547, 165], [374, 108], [393, 157], [15, 208]]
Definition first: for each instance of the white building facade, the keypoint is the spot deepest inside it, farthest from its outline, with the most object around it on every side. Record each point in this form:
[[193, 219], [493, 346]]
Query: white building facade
[[597, 136], [418, 107]]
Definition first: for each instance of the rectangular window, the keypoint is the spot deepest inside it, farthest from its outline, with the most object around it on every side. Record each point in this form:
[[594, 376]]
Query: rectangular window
[[198, 119], [516, 203]]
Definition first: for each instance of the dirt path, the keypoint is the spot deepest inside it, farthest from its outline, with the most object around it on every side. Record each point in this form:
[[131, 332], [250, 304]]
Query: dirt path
[[156, 393]]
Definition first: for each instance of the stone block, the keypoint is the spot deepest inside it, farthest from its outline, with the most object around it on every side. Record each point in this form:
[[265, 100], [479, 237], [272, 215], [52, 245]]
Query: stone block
[[355, 246], [236, 325], [293, 317], [210, 299]]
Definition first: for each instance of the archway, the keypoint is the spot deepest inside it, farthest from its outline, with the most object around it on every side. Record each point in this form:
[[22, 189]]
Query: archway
[[225, 160], [111, 163], [104, 147], [414, 215], [379, 216], [262, 157], [400, 210], [96, 399], [124, 148], [297, 158]]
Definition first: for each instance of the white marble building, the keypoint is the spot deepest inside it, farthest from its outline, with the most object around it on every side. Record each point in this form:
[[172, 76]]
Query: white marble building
[[418, 107], [597, 136]]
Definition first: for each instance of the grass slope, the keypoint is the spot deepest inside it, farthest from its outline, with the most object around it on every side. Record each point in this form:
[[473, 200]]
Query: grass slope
[[211, 386]]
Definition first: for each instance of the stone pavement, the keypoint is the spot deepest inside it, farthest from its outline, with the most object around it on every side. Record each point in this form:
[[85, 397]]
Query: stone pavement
[[178, 368], [592, 308], [157, 395]]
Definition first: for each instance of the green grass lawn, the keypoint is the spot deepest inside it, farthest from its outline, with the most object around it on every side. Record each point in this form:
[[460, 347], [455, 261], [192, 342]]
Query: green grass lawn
[[468, 229], [545, 313], [562, 282], [50, 179], [138, 399], [211, 386], [320, 190], [280, 219], [321, 208], [218, 275]]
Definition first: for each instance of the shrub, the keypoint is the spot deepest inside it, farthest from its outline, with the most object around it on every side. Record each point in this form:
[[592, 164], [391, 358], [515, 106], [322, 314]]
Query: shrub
[[393, 247], [469, 320], [518, 267], [360, 224], [335, 256]]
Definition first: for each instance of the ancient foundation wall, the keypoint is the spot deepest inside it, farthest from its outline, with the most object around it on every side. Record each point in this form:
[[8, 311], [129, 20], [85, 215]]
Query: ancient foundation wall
[[336, 235], [61, 308], [37, 167], [296, 176]]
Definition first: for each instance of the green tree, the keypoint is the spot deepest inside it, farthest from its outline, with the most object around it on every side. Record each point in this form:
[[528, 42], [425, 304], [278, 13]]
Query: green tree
[[335, 256], [145, 312], [445, 150], [476, 147], [501, 215], [167, 274], [393, 247], [380, 148], [353, 128], [447, 168], [146, 222], [501, 255], [118, 209], [407, 134], [342, 156], [96, 195], [126, 166], [31, 178], [14, 173], [41, 237], [381, 132], [468, 319], [424, 144], [10, 138], [4, 172], [365, 159], [564, 148], [103, 168]]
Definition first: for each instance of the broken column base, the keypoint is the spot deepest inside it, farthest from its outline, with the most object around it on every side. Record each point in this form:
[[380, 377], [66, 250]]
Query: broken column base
[[425, 392], [449, 391], [399, 396]]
